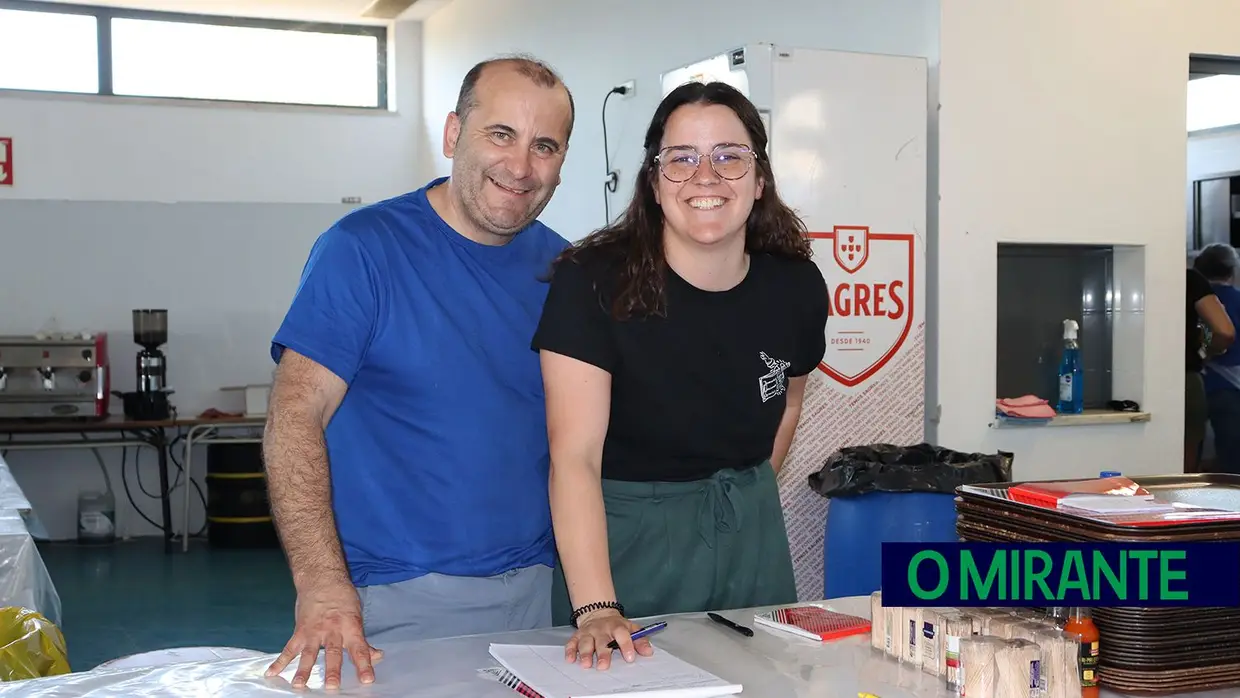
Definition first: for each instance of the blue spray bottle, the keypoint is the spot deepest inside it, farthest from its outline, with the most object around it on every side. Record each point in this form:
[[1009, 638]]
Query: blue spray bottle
[[1071, 390]]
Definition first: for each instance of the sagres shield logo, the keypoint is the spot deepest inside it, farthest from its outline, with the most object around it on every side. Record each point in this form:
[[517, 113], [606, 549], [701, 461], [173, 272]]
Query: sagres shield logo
[[870, 278], [851, 247]]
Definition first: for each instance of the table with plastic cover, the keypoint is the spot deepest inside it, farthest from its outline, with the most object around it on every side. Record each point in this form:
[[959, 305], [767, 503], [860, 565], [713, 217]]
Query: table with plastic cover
[[768, 665], [24, 580]]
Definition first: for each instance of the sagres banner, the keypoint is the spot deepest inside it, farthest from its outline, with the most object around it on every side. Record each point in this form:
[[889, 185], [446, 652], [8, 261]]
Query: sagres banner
[[870, 384]]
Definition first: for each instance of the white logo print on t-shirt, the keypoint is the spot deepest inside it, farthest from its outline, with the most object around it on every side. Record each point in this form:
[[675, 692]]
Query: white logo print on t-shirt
[[773, 383]]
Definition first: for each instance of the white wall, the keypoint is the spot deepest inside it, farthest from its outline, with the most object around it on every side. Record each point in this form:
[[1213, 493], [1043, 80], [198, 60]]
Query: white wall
[[1059, 123], [83, 148], [207, 210]]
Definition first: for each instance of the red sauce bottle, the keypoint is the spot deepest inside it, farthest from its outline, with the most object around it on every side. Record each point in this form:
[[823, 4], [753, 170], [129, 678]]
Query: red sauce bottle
[[1082, 625]]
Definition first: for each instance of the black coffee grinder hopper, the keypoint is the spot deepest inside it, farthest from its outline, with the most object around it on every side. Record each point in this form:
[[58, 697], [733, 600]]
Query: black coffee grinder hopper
[[150, 401]]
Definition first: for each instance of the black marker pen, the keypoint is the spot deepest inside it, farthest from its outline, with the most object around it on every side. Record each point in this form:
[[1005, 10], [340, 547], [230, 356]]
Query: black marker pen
[[747, 632]]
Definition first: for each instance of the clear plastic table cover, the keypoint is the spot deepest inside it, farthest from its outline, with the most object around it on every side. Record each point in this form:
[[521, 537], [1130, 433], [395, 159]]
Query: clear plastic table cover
[[24, 580], [769, 665]]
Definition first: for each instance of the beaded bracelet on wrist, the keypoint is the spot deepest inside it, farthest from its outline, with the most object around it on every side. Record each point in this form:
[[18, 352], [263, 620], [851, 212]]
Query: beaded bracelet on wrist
[[596, 606]]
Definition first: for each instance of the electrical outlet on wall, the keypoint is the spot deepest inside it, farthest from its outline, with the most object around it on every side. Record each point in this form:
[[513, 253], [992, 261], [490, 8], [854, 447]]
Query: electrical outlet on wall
[[629, 88]]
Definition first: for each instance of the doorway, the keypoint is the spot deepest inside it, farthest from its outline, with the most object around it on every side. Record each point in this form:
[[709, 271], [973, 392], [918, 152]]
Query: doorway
[[1213, 198], [1215, 210]]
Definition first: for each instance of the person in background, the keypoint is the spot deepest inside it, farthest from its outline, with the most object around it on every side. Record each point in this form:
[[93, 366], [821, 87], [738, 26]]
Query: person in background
[[406, 444], [675, 345], [1203, 307], [1217, 263]]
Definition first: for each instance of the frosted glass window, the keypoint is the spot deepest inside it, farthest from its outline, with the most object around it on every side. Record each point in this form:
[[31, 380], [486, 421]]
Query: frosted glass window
[[49, 51], [153, 58]]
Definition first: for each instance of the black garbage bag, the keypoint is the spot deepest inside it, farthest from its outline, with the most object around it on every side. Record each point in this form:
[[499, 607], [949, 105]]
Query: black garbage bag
[[858, 470]]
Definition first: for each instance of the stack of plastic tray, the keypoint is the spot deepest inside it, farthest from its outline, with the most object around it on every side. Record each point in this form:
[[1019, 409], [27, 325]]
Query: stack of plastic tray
[[1156, 651]]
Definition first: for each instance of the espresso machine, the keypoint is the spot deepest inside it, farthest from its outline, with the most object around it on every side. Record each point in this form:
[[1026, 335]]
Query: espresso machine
[[54, 376], [150, 401]]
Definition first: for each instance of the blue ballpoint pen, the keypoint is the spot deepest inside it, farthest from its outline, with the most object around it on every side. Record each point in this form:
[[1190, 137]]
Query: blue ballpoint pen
[[648, 630]]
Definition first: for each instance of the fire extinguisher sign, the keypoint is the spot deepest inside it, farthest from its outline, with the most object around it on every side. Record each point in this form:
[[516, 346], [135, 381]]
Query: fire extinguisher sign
[[6, 162]]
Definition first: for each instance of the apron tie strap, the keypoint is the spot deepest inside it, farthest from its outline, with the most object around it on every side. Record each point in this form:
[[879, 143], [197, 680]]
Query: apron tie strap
[[721, 505]]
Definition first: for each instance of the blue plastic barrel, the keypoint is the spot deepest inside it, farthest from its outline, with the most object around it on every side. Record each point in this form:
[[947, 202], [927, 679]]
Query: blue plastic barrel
[[858, 526]]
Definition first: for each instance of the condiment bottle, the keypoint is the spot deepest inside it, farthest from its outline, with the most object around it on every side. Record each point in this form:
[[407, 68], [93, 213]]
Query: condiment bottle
[[1082, 625]]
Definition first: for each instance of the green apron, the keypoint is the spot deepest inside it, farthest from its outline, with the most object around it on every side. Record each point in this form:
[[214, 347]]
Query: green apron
[[682, 547]]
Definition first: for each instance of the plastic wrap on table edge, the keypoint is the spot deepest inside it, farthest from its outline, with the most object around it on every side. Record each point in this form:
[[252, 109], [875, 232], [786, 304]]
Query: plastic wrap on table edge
[[31, 646], [881, 467], [25, 582]]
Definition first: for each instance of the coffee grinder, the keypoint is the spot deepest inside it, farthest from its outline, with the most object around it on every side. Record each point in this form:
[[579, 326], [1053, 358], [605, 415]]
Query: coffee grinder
[[150, 401]]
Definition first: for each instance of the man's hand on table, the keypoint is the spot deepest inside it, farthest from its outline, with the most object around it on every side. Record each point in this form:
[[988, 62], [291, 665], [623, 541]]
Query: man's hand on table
[[328, 617]]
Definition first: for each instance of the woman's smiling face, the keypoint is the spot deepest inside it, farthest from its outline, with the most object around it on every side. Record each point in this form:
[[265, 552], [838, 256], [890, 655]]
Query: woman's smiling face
[[705, 208]]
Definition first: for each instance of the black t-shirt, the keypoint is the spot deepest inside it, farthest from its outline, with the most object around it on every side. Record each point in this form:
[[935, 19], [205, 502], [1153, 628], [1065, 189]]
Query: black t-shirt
[[702, 388], [1198, 288]]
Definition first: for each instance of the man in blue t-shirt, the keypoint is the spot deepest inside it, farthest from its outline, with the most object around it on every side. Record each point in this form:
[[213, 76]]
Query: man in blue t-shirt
[[406, 446]]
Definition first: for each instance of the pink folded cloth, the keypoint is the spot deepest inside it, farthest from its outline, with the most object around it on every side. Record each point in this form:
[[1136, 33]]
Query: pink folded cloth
[[1027, 407]]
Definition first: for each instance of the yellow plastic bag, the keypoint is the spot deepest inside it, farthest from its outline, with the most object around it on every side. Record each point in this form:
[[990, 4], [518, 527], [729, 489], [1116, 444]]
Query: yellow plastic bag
[[31, 646]]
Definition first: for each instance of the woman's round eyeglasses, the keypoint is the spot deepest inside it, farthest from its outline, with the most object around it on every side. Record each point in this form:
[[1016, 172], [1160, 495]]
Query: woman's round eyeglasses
[[681, 163]]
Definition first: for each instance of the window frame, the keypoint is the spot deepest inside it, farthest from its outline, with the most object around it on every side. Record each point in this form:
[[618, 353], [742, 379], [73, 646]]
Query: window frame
[[104, 16]]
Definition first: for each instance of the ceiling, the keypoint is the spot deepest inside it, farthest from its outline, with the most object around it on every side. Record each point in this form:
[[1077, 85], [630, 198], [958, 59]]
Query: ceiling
[[310, 10]]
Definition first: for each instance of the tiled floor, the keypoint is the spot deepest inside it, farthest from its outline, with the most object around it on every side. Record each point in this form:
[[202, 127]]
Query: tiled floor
[[130, 597]]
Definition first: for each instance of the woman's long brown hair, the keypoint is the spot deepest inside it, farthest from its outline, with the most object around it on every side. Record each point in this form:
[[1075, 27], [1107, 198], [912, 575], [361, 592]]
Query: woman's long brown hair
[[634, 243]]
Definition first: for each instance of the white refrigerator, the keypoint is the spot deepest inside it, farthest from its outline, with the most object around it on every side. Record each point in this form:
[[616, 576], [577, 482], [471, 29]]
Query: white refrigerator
[[848, 136]]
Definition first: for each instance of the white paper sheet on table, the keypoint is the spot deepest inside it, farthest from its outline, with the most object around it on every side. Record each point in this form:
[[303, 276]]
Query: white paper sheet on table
[[1115, 504], [663, 675]]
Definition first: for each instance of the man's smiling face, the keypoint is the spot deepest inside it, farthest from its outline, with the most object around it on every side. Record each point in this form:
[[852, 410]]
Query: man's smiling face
[[508, 151]]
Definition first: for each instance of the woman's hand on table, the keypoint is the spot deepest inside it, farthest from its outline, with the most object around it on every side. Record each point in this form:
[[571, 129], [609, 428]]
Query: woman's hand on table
[[595, 630], [328, 617]]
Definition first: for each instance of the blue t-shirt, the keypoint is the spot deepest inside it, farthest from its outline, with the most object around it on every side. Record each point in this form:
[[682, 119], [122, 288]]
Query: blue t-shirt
[[1223, 371], [439, 455]]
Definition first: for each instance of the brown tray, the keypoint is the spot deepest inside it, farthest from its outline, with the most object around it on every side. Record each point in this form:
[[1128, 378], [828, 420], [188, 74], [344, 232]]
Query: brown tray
[[1008, 507], [1065, 528], [1169, 682], [1146, 651], [1196, 657], [1164, 616], [1217, 490], [1154, 638]]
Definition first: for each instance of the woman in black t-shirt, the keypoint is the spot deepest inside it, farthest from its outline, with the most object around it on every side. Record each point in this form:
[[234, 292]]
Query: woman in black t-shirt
[[675, 347]]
